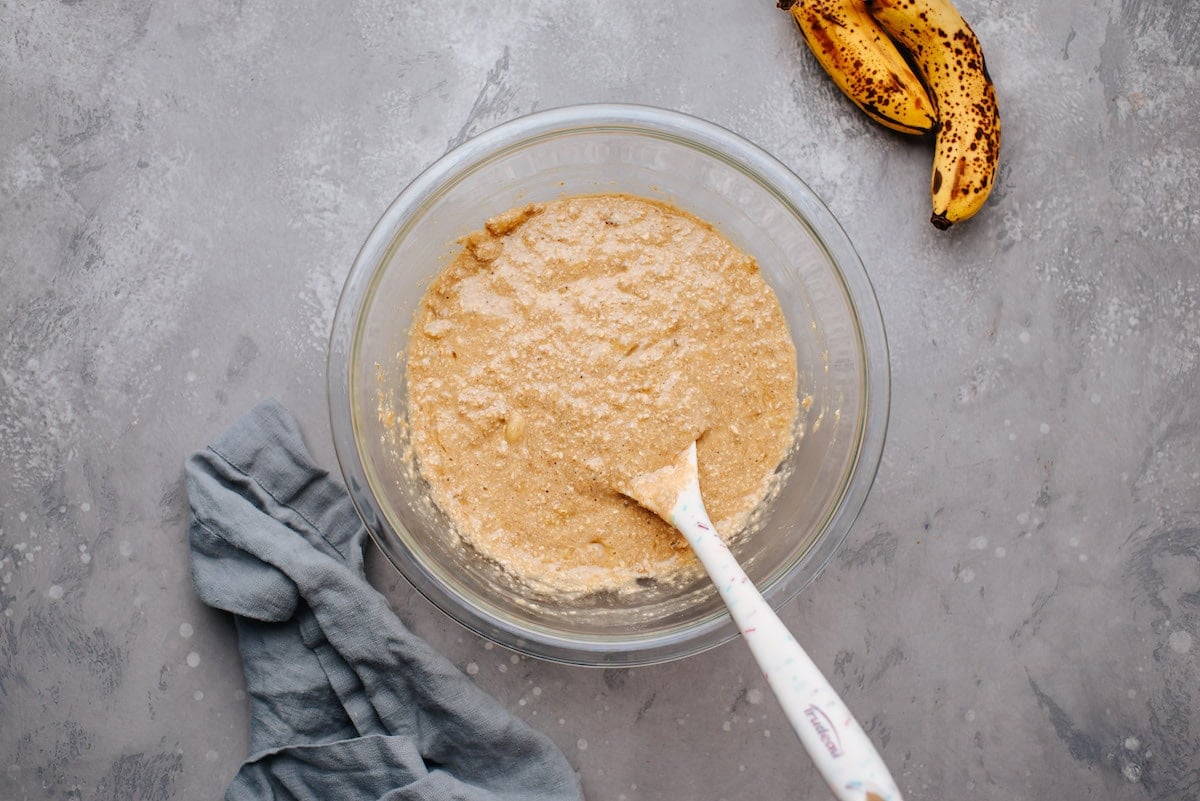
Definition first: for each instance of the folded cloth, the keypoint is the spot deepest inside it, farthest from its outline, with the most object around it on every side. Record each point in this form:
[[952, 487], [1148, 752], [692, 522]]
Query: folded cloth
[[345, 703]]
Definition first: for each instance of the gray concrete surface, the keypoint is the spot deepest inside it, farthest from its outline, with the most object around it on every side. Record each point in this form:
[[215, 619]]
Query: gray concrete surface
[[183, 186]]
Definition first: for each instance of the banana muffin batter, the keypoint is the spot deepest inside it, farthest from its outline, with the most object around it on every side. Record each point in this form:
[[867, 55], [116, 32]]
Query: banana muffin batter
[[575, 344]]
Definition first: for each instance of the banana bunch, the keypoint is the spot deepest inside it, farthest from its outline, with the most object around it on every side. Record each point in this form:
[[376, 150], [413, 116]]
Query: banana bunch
[[859, 42]]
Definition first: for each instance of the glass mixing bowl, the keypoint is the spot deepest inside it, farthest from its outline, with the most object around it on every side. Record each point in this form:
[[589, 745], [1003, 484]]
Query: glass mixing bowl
[[751, 198]]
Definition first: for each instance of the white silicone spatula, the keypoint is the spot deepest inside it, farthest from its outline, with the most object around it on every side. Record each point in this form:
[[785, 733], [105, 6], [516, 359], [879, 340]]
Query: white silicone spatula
[[833, 738]]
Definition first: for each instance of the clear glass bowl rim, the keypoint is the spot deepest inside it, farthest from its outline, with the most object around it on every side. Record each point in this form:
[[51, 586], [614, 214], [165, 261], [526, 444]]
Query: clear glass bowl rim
[[720, 143]]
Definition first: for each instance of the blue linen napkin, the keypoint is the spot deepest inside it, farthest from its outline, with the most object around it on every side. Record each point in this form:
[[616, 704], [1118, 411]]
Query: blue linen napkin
[[345, 703]]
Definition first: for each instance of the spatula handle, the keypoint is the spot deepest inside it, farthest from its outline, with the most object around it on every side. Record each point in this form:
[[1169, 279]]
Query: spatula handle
[[833, 738]]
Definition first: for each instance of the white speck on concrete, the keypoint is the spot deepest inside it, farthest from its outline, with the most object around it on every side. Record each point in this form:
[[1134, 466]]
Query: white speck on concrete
[[562, 722], [969, 716], [1000, 552], [522, 702], [487, 646], [1044, 428], [125, 548], [977, 543], [966, 575], [503, 668], [85, 557], [754, 695], [186, 630], [193, 659], [85, 507], [537, 690], [1180, 641], [581, 744], [766, 732], [1095, 398], [1132, 743], [727, 726], [1024, 337], [320, 295], [211, 756], [198, 695], [55, 592], [514, 659], [472, 669], [1131, 772]]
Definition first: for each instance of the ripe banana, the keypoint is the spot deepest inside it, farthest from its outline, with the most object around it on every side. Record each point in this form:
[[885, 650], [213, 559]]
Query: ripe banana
[[950, 59], [864, 63]]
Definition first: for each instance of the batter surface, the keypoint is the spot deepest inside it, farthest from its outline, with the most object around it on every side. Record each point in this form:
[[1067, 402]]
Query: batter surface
[[575, 344]]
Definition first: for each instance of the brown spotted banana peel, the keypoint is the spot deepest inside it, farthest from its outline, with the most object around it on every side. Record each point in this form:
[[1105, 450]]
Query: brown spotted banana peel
[[864, 63], [950, 59]]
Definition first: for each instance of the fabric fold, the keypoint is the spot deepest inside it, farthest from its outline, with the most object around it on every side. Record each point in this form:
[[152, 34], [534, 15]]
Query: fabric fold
[[345, 702]]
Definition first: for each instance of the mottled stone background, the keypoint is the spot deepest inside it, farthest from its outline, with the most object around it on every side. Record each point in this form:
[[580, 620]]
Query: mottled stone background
[[183, 186]]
